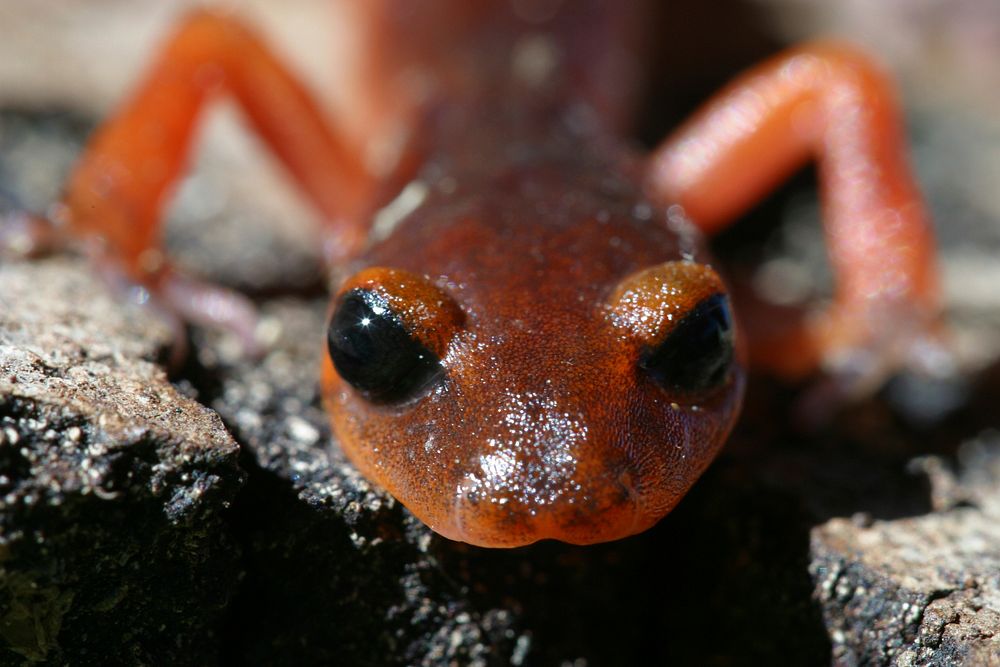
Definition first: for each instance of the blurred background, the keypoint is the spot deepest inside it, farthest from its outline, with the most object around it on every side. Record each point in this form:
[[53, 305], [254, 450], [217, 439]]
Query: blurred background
[[71, 61]]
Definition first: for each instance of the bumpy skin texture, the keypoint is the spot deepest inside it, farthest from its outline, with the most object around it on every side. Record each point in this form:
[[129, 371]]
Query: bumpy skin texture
[[543, 425], [535, 247]]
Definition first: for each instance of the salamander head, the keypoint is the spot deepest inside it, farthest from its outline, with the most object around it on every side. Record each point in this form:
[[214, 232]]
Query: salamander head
[[506, 399]]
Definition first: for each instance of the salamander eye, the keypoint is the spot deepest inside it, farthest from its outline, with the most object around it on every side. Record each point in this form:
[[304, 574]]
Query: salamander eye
[[698, 352], [374, 352]]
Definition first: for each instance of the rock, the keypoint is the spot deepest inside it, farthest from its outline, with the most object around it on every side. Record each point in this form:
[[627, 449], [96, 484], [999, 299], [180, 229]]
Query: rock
[[113, 485], [922, 590]]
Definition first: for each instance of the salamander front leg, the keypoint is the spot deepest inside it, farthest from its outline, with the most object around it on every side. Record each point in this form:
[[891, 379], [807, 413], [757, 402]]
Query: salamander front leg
[[114, 198], [828, 103]]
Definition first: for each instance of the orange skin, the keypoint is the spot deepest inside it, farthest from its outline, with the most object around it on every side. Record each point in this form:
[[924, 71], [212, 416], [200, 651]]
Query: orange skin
[[542, 257]]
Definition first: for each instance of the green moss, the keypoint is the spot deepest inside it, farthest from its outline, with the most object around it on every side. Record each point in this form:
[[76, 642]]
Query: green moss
[[32, 615]]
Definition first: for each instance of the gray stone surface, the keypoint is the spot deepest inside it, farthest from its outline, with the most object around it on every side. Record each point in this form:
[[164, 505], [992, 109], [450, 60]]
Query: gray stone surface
[[921, 590], [113, 485]]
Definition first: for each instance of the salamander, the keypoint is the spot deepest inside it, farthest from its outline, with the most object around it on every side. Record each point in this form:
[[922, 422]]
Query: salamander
[[527, 336]]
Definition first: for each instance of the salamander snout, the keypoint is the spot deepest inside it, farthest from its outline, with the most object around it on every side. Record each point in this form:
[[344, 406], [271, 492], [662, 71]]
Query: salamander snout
[[543, 471]]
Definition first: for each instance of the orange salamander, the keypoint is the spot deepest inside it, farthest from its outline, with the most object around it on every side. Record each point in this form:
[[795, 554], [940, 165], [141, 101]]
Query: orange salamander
[[532, 342]]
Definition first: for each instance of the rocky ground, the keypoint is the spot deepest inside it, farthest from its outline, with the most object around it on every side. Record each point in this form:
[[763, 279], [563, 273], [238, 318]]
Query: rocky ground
[[208, 517]]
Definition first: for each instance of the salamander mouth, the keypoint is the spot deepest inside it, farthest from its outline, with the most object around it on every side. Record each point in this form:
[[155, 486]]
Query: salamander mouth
[[615, 512], [635, 501]]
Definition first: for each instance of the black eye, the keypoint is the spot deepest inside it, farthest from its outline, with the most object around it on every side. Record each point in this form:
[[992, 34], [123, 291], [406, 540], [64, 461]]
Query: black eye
[[697, 354], [373, 351]]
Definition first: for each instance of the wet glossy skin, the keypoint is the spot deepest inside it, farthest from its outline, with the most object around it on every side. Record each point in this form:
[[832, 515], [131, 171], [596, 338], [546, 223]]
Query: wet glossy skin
[[576, 366], [543, 424]]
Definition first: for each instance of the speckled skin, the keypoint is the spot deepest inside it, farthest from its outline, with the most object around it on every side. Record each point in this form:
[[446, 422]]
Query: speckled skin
[[543, 425]]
